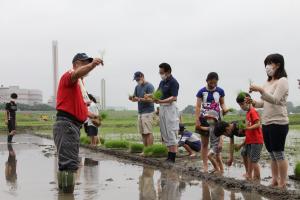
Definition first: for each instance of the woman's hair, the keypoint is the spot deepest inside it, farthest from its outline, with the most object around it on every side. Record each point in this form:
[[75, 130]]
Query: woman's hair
[[212, 76], [278, 60], [92, 98]]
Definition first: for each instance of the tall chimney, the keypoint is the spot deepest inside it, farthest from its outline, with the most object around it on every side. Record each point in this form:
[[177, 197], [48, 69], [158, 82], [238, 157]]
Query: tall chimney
[[55, 69], [103, 94]]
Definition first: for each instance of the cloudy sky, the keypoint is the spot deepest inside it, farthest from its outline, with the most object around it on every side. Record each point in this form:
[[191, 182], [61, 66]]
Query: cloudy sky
[[195, 37]]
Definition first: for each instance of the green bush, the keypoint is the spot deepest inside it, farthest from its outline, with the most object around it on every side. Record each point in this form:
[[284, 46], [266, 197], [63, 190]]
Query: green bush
[[136, 148], [117, 144], [297, 170], [84, 139], [156, 150]]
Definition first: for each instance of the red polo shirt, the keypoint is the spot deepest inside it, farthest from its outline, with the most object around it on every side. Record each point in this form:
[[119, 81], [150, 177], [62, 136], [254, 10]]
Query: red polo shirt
[[69, 98], [254, 136]]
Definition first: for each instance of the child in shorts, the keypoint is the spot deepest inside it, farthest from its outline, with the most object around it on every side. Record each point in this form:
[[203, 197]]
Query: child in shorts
[[216, 142], [190, 141], [254, 136]]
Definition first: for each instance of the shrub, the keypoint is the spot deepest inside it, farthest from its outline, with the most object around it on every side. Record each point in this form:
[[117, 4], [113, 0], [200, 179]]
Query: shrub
[[156, 150], [102, 140], [84, 139], [136, 148], [117, 144], [297, 170]]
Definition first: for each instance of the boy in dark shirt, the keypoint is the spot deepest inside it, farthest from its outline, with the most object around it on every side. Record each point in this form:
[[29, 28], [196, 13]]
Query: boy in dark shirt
[[10, 117], [232, 130]]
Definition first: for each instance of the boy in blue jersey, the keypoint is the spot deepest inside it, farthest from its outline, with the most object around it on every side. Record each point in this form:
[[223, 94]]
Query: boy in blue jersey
[[189, 141]]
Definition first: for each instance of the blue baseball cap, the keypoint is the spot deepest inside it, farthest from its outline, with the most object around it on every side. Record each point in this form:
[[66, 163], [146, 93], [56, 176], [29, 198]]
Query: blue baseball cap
[[82, 57], [137, 75]]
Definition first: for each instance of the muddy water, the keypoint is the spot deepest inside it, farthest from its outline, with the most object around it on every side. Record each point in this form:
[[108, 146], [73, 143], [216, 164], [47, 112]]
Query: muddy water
[[29, 172]]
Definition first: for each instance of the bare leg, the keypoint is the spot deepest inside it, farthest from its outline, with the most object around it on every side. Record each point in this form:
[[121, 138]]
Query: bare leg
[[144, 137], [250, 169], [204, 152], [220, 162], [188, 149], [213, 162], [245, 160], [282, 169], [173, 149], [149, 139], [256, 171], [274, 169]]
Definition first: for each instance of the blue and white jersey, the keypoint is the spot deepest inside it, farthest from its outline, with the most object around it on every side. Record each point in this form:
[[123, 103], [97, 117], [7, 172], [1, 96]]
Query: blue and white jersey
[[189, 136], [210, 99]]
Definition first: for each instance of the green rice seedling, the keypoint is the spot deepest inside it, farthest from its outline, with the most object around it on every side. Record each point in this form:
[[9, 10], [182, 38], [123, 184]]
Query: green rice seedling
[[241, 95], [156, 150], [103, 116], [241, 125], [117, 144], [157, 95], [136, 148], [297, 170]]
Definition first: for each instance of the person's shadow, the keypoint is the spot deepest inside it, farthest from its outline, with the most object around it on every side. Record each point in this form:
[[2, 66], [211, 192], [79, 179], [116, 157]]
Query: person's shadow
[[11, 168]]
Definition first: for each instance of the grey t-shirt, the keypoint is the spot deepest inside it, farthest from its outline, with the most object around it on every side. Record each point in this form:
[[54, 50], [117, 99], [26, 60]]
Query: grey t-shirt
[[140, 91]]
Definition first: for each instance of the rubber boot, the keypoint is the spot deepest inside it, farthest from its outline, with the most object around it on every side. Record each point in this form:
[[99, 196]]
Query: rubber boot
[[59, 179], [68, 181]]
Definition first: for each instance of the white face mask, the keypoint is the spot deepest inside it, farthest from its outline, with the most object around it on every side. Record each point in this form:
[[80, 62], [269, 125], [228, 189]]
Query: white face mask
[[140, 82], [211, 122], [270, 70], [163, 76]]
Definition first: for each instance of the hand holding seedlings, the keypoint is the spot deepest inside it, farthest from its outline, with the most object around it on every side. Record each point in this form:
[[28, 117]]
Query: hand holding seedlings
[[96, 62], [250, 84], [255, 88]]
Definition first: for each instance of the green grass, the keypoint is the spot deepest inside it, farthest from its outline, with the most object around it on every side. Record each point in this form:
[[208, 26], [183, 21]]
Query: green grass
[[116, 144], [117, 124], [156, 150], [136, 148], [84, 139]]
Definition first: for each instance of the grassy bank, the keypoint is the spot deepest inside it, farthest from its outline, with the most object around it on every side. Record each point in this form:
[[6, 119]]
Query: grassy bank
[[118, 124]]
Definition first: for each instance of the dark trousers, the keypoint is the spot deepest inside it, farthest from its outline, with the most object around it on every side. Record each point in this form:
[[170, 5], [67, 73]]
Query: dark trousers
[[66, 136]]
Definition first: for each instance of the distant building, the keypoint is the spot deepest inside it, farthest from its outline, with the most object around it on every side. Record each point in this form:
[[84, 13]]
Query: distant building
[[103, 94], [25, 96]]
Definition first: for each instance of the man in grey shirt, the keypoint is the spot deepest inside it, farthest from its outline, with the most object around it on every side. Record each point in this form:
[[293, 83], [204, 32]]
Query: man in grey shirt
[[145, 107]]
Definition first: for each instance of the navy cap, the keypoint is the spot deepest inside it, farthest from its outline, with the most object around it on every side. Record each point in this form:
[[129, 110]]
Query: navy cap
[[82, 57], [137, 75]]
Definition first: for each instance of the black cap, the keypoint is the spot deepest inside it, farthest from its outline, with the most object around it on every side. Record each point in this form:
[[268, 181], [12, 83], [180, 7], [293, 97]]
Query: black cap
[[82, 57], [137, 75]]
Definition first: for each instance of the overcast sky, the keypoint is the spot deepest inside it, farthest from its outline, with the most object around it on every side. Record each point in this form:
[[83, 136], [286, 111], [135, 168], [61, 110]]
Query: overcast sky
[[195, 37]]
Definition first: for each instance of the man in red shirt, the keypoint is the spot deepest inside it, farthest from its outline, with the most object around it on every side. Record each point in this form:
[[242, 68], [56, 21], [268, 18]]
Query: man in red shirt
[[72, 112], [254, 137]]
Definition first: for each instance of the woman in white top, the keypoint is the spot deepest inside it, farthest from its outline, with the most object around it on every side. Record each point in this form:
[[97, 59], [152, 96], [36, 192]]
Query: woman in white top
[[92, 124], [275, 121]]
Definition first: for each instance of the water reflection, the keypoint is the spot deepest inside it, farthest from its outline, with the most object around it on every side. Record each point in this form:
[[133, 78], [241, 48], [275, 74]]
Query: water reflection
[[146, 184], [91, 178], [170, 186], [11, 169]]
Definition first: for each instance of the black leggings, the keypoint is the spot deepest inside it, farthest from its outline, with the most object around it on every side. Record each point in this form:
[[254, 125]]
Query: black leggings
[[275, 136]]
